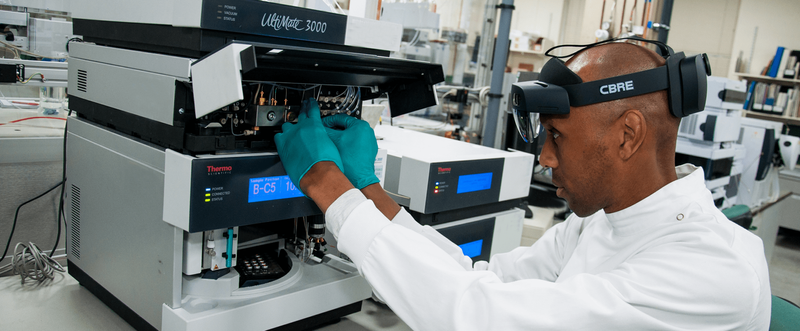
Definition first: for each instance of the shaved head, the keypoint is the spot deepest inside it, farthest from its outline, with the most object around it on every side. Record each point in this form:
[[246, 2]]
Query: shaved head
[[616, 59], [612, 154]]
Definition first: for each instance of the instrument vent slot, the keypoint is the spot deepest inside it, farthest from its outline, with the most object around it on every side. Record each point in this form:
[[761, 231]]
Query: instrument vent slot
[[83, 80], [75, 234]]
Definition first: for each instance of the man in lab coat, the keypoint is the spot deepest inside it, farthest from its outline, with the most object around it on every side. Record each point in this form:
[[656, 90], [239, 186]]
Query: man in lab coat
[[645, 249]]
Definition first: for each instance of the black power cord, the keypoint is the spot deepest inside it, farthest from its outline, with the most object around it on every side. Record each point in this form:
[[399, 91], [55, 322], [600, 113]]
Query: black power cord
[[14, 225], [64, 182], [60, 203], [76, 39]]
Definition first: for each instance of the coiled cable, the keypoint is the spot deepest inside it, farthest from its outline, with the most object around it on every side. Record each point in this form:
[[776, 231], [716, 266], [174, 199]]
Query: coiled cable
[[29, 261]]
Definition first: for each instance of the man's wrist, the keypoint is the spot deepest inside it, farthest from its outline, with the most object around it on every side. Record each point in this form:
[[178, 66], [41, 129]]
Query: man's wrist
[[383, 201], [324, 183]]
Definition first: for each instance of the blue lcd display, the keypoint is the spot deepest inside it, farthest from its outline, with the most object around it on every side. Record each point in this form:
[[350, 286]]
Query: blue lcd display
[[476, 182], [472, 249], [272, 188]]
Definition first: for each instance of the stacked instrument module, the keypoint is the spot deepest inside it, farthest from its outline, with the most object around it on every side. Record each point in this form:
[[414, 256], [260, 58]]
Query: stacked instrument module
[[473, 195]]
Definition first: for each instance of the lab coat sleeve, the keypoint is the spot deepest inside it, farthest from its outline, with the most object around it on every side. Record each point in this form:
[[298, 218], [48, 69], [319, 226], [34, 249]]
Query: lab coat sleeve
[[429, 290], [404, 219], [340, 208], [542, 260], [546, 255]]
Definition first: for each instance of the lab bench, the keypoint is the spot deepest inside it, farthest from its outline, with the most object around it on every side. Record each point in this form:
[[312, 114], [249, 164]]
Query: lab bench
[[66, 305]]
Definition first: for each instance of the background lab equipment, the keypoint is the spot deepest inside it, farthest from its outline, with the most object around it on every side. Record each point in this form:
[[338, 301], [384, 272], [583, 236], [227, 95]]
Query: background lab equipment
[[181, 216], [469, 193], [708, 139], [790, 150], [760, 176]]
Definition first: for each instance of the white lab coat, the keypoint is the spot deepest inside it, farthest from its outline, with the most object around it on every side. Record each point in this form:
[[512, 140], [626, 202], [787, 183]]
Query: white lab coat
[[670, 262]]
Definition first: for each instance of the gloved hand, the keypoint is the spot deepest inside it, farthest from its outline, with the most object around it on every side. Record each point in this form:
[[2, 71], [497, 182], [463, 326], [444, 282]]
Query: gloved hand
[[302, 145], [357, 146]]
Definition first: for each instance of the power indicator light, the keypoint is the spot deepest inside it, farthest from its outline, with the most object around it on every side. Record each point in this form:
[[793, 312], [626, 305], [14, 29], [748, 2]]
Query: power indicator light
[[208, 189], [207, 200], [437, 183]]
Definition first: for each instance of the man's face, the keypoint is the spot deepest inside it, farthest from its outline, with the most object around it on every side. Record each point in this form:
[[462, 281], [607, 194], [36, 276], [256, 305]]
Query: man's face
[[577, 152]]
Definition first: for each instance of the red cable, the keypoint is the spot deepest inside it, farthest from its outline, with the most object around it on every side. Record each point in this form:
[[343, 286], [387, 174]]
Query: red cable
[[25, 103], [33, 118]]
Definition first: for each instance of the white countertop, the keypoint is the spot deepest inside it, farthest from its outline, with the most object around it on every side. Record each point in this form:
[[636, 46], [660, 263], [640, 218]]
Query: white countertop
[[30, 123], [64, 304]]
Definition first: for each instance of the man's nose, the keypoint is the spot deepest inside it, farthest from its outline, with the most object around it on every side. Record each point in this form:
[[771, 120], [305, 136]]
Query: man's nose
[[547, 157]]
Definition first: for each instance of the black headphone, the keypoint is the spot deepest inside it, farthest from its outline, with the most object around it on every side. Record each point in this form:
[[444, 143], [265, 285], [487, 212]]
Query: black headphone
[[683, 77], [559, 88]]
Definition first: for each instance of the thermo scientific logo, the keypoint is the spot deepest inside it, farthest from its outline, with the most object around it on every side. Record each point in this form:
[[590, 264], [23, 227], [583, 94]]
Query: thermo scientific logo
[[443, 171], [212, 170]]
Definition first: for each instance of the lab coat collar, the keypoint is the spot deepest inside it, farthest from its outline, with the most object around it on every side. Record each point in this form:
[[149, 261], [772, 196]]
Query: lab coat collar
[[668, 204]]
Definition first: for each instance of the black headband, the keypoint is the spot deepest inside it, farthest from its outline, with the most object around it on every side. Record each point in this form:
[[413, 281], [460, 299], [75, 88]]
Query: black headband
[[619, 87], [559, 88]]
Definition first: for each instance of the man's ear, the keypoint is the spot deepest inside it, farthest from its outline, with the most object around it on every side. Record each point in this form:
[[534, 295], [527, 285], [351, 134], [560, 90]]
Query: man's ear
[[634, 130]]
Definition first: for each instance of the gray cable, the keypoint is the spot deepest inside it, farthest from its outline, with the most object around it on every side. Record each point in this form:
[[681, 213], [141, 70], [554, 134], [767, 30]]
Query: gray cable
[[29, 261]]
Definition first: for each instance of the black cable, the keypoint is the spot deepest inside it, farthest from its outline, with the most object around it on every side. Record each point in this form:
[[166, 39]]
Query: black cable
[[61, 197], [14, 225], [73, 39], [60, 212], [60, 204], [663, 48]]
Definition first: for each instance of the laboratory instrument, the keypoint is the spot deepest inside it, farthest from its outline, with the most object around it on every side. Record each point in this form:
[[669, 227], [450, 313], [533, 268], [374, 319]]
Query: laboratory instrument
[[180, 213], [469, 193]]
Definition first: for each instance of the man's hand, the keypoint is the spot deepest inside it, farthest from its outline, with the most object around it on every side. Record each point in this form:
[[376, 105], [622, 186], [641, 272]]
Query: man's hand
[[302, 145], [356, 143]]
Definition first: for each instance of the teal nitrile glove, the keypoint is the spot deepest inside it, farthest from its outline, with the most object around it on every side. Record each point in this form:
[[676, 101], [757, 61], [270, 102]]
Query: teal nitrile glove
[[357, 146], [302, 145]]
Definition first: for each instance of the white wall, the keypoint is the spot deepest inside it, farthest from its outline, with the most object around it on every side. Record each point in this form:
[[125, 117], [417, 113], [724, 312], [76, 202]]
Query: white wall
[[778, 23], [572, 21], [697, 26], [56, 5], [591, 17], [705, 27], [529, 15], [543, 16], [452, 17], [449, 13]]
